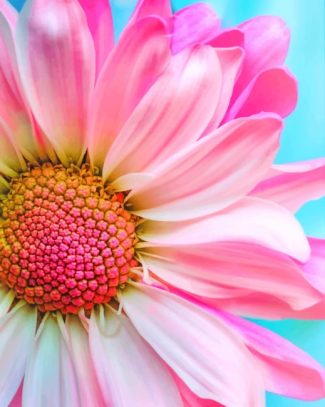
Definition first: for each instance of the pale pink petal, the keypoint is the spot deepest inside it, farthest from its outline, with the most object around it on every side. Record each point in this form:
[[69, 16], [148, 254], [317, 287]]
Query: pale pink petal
[[100, 23], [128, 370], [231, 60], [199, 347], [135, 63], [17, 329], [13, 107], [266, 46], [145, 8], [173, 113], [231, 37], [57, 65], [195, 24], [273, 90], [50, 377], [287, 369], [78, 341], [292, 185], [204, 269], [252, 220], [212, 173]]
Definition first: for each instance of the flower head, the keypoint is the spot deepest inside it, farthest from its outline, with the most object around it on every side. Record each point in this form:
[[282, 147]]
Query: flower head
[[141, 215]]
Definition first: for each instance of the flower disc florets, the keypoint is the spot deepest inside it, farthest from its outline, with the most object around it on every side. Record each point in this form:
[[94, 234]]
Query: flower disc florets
[[66, 242]]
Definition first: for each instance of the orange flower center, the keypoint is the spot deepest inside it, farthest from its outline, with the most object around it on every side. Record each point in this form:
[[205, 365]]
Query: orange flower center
[[66, 242]]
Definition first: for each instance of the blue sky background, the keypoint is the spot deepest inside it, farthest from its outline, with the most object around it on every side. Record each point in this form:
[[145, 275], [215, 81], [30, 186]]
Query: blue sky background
[[304, 134]]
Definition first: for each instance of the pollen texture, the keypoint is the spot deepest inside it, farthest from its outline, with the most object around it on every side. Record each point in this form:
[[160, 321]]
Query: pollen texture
[[66, 242]]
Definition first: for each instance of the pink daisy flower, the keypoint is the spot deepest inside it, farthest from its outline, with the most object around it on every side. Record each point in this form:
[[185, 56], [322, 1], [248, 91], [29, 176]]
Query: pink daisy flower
[[141, 216]]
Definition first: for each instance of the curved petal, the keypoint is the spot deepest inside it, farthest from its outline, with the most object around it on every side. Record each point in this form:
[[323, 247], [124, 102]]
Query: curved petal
[[204, 269], [50, 378], [173, 113], [135, 63], [17, 329], [88, 388], [192, 25], [287, 369], [294, 184], [273, 90], [128, 370], [57, 66], [100, 23], [231, 37], [199, 347], [252, 220], [266, 46], [211, 174]]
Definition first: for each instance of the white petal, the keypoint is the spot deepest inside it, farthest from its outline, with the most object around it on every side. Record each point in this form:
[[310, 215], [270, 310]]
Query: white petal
[[129, 371], [17, 330]]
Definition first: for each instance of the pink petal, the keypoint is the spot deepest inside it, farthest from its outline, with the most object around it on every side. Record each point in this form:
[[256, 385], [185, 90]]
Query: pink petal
[[130, 373], [204, 269], [57, 65], [273, 90], [195, 24], [137, 60], [212, 173], [251, 220], [287, 369], [265, 306], [78, 340], [292, 185], [17, 329], [199, 347], [145, 8], [50, 378], [100, 22], [173, 113], [266, 46], [232, 37]]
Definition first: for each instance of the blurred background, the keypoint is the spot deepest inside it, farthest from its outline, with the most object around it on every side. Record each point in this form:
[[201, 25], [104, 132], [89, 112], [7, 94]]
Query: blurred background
[[304, 134]]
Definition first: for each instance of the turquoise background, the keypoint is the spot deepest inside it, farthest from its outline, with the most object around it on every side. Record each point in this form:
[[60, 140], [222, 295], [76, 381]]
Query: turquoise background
[[304, 134]]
